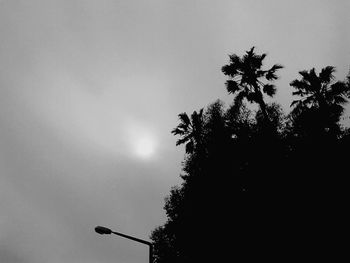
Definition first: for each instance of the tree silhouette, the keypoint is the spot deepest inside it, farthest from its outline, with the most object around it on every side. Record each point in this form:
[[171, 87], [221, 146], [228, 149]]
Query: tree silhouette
[[248, 194], [246, 78], [190, 130], [321, 99]]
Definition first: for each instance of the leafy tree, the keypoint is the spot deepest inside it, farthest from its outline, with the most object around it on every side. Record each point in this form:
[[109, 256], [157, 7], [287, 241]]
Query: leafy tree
[[217, 135], [163, 248], [248, 194], [168, 239], [204, 194], [317, 153]]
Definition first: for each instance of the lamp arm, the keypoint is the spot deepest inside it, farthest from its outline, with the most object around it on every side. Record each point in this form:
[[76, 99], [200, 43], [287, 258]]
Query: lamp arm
[[133, 238]]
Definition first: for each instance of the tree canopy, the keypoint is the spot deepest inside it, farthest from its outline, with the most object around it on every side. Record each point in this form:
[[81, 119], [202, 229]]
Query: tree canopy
[[254, 193]]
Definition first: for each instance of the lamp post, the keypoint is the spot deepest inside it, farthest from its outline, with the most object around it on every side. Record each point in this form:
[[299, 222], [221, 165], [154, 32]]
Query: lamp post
[[106, 231]]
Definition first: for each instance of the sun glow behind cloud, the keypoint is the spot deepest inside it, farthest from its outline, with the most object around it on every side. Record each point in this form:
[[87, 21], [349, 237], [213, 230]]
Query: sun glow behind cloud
[[144, 146], [141, 139], [99, 122]]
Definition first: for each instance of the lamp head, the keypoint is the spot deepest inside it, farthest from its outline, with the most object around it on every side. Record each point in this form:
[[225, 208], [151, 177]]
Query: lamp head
[[103, 230]]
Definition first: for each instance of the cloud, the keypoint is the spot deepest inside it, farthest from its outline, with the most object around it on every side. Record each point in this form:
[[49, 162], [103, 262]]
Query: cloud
[[76, 76]]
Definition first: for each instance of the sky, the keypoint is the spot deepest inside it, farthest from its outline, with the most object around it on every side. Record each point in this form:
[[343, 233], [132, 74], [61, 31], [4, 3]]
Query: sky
[[90, 90]]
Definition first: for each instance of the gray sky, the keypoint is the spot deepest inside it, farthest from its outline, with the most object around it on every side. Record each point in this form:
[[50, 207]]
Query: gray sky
[[90, 90]]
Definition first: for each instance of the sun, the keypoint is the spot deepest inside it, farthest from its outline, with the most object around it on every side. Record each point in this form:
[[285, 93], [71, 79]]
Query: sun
[[145, 146], [142, 139]]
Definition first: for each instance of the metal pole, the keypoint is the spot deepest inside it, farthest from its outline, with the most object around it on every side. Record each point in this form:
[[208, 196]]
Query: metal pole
[[106, 231], [132, 238], [140, 241], [150, 253]]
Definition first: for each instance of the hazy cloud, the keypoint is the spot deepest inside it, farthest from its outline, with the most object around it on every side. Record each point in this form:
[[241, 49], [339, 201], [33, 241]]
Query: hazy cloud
[[80, 81]]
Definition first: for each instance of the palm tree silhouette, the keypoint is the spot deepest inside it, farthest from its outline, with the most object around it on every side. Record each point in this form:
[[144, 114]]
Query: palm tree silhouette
[[246, 78], [318, 93], [190, 130]]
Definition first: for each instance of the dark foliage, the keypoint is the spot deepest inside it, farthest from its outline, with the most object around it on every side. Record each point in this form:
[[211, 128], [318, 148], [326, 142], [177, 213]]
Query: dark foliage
[[321, 102], [256, 192], [246, 78]]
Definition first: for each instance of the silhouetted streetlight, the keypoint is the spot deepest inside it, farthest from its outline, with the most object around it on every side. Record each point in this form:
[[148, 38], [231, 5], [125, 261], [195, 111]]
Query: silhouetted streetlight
[[106, 231]]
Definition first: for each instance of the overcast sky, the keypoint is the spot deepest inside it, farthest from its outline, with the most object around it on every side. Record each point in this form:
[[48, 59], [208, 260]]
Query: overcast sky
[[90, 90]]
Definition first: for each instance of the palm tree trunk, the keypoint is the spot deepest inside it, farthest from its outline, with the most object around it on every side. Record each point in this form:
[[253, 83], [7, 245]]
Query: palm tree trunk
[[263, 110], [262, 105], [267, 125]]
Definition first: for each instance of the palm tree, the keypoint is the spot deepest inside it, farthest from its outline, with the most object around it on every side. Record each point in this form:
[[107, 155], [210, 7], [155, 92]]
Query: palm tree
[[190, 130], [320, 94], [246, 79]]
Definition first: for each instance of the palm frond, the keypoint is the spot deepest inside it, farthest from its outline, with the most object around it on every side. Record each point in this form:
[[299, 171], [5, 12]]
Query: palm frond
[[270, 75], [230, 70], [311, 101], [326, 74], [189, 147], [233, 67], [300, 93], [308, 75], [340, 100], [260, 73], [251, 51], [262, 56], [197, 118], [276, 67], [234, 59], [298, 107], [312, 78], [338, 88], [269, 89], [184, 118], [232, 86], [183, 126], [303, 88], [295, 103], [304, 74], [178, 131], [250, 60], [182, 140], [256, 61]]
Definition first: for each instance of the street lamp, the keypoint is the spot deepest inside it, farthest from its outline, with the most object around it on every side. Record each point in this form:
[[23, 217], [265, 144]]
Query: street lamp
[[106, 231]]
